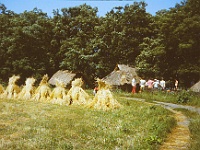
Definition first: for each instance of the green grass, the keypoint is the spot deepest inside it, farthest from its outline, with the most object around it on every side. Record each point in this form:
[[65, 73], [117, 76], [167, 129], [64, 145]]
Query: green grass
[[33, 125], [171, 97], [194, 128]]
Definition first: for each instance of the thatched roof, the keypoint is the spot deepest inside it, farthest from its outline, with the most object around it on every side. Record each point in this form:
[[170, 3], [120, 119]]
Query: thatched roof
[[196, 87], [65, 76], [120, 75]]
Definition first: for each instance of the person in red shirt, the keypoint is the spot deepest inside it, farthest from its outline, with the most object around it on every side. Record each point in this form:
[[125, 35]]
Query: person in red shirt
[[95, 90]]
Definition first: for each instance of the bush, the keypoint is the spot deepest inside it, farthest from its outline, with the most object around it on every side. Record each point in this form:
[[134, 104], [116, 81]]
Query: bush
[[183, 97]]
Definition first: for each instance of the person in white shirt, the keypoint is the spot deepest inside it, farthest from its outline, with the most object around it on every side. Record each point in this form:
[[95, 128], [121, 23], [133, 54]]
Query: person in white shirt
[[142, 84], [162, 84], [133, 84], [156, 84]]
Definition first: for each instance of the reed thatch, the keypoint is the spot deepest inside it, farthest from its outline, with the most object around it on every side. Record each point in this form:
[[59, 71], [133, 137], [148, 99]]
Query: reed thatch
[[196, 87], [65, 76], [122, 74]]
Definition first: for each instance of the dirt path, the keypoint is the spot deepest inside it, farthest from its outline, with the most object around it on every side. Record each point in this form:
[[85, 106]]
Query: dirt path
[[179, 138], [170, 105]]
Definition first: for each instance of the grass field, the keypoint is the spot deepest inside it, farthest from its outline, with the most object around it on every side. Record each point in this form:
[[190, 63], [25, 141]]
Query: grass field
[[191, 98], [179, 97], [33, 125]]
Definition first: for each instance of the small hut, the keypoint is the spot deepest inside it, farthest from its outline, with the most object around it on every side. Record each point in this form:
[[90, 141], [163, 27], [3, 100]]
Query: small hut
[[65, 76], [196, 87], [121, 77]]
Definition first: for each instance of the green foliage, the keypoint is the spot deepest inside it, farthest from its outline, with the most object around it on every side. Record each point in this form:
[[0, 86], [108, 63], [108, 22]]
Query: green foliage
[[183, 97], [149, 60], [179, 31], [154, 139], [76, 39]]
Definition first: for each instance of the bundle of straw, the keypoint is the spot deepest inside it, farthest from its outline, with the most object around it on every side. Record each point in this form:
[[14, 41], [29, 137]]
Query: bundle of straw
[[43, 91], [104, 99], [76, 94], [58, 95], [12, 89], [27, 90]]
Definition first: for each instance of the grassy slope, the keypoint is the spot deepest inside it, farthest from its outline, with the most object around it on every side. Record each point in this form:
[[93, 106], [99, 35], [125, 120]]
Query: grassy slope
[[32, 125]]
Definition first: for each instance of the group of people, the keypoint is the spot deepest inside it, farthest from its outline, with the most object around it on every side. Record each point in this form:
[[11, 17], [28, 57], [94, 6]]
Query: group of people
[[151, 84]]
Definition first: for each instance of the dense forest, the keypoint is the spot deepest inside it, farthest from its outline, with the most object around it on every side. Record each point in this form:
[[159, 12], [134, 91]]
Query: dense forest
[[165, 45]]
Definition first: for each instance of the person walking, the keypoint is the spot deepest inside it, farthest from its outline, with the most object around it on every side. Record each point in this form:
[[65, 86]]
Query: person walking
[[142, 84], [156, 84], [176, 85], [162, 84], [150, 84], [133, 83]]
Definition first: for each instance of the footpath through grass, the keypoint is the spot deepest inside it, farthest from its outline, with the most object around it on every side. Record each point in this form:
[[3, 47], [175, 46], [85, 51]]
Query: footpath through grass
[[177, 97], [180, 97], [194, 128], [33, 125]]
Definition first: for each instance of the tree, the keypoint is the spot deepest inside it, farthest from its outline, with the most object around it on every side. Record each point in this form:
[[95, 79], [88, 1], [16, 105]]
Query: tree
[[166, 45], [27, 44], [179, 28], [76, 49], [149, 62], [5, 39]]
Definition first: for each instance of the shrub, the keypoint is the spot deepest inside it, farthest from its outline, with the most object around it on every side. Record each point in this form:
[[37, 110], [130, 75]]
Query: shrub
[[183, 97]]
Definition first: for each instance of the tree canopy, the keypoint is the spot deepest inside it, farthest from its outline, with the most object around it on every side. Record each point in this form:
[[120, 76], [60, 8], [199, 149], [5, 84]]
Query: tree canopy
[[76, 39]]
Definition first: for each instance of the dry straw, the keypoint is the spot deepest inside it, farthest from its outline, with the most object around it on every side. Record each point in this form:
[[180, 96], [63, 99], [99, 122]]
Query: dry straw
[[43, 91], [104, 99], [27, 90]]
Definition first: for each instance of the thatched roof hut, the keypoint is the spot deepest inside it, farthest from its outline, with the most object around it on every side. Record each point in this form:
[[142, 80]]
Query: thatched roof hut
[[196, 87], [65, 76], [122, 74]]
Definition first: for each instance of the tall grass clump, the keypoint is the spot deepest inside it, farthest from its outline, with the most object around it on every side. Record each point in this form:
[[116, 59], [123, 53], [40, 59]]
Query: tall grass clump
[[36, 125]]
